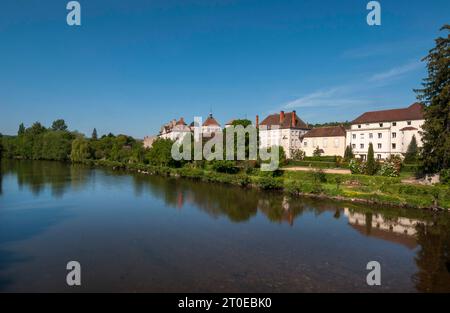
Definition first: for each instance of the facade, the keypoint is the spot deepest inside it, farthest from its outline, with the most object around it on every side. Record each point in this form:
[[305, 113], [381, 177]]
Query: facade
[[210, 126], [148, 141], [174, 130], [283, 129], [389, 131], [330, 140]]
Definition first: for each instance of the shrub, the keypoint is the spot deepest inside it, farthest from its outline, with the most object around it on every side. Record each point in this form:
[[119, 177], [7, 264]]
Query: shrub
[[224, 166], [388, 169], [297, 155], [356, 166], [444, 176], [319, 176]]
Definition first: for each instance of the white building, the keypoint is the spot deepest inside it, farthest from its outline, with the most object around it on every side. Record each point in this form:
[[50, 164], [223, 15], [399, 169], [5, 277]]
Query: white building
[[329, 140], [283, 129], [389, 131], [210, 126], [174, 130]]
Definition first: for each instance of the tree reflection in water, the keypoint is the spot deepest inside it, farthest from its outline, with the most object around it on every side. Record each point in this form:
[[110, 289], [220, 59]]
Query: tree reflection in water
[[428, 233]]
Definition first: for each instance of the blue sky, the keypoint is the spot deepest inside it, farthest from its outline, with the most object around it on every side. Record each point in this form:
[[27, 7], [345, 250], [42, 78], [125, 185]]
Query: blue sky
[[133, 65]]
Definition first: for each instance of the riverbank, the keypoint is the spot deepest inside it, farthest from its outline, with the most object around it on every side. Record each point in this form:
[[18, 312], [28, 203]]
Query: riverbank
[[373, 190]]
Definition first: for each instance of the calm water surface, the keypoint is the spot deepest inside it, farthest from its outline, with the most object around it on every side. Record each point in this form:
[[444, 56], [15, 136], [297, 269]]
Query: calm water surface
[[138, 233]]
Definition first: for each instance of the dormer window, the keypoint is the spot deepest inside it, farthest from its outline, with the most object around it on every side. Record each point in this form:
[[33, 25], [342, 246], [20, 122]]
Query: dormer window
[[409, 122], [381, 124], [359, 126], [394, 124]]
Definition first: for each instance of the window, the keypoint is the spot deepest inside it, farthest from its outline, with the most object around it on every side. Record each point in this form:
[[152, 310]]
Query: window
[[305, 144], [353, 146], [336, 142], [370, 135], [381, 124], [359, 126], [409, 122], [380, 135], [379, 156], [394, 135], [361, 146], [354, 136], [394, 146], [379, 146], [363, 156], [394, 124], [361, 136]]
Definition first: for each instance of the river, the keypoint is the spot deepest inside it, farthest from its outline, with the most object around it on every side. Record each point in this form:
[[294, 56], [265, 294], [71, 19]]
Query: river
[[137, 233]]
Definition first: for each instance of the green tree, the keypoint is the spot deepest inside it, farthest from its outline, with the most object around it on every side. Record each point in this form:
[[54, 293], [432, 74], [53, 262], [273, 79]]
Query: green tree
[[435, 94], [317, 152], [412, 151], [1, 145], [80, 150], [21, 130], [348, 154], [160, 153], [94, 134], [370, 166], [59, 124]]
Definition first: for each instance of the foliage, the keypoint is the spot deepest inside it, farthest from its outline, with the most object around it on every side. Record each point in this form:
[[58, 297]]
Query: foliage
[[370, 165], [356, 166], [317, 152], [94, 134], [297, 155], [348, 154], [160, 153], [80, 150], [59, 125], [388, 169], [435, 94], [224, 166], [444, 176], [412, 151]]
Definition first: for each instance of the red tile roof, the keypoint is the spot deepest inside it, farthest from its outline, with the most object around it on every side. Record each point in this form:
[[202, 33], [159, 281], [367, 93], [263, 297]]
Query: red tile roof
[[210, 121], [274, 120], [413, 112], [181, 121], [332, 131]]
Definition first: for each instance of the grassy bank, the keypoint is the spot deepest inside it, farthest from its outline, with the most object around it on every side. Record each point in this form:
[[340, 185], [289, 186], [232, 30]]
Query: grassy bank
[[357, 188]]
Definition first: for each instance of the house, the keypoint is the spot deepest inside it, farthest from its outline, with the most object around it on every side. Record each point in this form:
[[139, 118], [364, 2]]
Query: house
[[174, 129], [210, 126], [282, 129], [148, 141], [330, 140], [389, 131]]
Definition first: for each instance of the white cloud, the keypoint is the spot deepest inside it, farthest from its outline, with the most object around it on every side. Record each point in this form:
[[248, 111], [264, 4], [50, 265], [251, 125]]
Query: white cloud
[[396, 72]]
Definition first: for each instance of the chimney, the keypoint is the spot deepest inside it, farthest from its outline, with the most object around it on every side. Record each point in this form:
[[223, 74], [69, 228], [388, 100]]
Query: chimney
[[257, 120], [293, 119], [281, 117]]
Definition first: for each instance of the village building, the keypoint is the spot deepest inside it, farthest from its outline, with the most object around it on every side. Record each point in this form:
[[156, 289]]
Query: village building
[[174, 130], [329, 140], [148, 141], [389, 131], [210, 126], [282, 129]]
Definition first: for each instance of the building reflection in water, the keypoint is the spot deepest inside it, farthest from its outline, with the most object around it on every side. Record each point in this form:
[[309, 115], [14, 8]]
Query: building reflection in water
[[400, 230]]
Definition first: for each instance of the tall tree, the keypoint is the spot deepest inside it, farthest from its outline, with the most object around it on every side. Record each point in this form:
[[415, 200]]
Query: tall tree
[[94, 134], [59, 124], [412, 151], [435, 94], [348, 154], [21, 130], [370, 166]]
